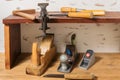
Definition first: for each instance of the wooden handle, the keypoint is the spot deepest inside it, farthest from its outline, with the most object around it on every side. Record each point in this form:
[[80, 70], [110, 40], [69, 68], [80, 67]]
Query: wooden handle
[[35, 58], [81, 76], [68, 9], [25, 15], [80, 14], [95, 12]]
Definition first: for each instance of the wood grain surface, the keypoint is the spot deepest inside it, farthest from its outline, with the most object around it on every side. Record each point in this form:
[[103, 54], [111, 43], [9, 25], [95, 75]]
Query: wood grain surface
[[12, 36], [107, 67], [110, 17]]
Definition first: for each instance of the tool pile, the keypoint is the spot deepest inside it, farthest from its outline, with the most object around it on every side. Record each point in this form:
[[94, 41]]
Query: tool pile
[[65, 11], [44, 51], [82, 13]]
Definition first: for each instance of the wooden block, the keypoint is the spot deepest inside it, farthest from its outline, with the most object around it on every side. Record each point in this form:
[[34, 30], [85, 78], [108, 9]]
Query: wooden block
[[25, 13]]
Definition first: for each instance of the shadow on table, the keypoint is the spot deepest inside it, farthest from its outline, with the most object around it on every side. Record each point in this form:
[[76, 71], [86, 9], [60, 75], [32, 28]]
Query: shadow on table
[[23, 57]]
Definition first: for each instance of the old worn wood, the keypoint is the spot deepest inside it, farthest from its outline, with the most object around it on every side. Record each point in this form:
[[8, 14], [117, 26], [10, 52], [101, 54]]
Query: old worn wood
[[29, 11], [42, 54], [12, 44], [46, 44], [107, 67], [25, 15], [45, 62], [110, 17]]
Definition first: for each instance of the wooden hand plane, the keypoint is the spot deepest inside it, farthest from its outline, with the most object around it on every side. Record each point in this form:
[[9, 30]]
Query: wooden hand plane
[[42, 54]]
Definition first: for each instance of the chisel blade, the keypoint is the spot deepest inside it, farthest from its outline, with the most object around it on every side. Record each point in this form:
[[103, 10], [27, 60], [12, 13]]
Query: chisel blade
[[54, 75], [57, 14]]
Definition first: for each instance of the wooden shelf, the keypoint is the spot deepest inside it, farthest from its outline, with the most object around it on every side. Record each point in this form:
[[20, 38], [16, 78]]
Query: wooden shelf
[[109, 17]]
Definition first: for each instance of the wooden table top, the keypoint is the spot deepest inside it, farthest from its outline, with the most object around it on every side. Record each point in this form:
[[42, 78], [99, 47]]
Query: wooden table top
[[110, 17], [106, 67]]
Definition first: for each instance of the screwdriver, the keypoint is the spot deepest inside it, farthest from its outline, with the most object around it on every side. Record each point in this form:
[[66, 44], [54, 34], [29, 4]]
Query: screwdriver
[[69, 9], [74, 14], [95, 12]]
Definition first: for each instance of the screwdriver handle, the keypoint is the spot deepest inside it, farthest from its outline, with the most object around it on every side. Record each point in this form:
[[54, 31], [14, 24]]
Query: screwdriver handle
[[81, 14], [96, 12], [68, 9]]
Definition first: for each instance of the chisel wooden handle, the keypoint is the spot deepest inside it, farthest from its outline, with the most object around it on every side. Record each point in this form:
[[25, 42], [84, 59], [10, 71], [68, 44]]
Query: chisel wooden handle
[[80, 14], [35, 58], [95, 12], [68, 9], [76, 76]]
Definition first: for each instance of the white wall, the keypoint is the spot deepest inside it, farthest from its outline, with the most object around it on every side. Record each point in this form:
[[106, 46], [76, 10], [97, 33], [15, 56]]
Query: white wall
[[99, 37]]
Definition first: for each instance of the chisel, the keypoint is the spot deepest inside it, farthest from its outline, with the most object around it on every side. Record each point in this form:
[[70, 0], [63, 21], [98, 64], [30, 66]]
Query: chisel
[[95, 12], [74, 14], [74, 76]]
